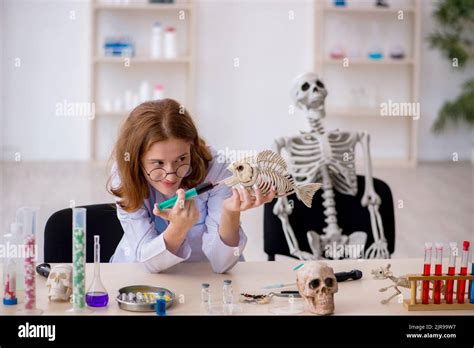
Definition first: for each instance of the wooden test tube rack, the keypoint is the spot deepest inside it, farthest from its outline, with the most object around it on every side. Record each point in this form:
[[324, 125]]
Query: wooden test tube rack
[[414, 304]]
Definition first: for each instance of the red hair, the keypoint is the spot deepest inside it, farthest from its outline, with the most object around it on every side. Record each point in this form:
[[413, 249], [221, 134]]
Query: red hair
[[147, 124]]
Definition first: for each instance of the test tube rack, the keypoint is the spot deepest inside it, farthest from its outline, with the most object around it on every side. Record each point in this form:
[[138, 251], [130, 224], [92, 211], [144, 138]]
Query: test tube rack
[[414, 304]]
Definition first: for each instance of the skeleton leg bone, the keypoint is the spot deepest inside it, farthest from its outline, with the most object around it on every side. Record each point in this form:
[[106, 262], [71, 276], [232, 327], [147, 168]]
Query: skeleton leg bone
[[387, 300]]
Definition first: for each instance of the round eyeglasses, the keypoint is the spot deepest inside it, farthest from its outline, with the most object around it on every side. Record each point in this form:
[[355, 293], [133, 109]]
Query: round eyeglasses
[[159, 174]]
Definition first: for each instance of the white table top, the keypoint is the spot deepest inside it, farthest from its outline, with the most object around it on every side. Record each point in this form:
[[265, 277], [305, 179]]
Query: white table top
[[359, 297]]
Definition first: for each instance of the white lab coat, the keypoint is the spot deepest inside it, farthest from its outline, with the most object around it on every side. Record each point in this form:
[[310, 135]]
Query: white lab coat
[[143, 239]]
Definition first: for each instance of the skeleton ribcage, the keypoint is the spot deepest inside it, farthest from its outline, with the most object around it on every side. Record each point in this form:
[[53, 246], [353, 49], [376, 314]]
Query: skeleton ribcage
[[267, 178], [307, 153]]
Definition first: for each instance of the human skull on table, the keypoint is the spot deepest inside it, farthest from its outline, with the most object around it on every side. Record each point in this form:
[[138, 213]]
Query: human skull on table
[[59, 283], [317, 284]]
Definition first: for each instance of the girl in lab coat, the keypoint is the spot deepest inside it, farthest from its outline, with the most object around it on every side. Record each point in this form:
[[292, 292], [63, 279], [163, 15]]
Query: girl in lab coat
[[158, 154]]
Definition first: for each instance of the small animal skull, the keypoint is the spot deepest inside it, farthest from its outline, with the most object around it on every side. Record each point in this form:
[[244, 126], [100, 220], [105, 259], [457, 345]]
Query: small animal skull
[[308, 92], [59, 283], [243, 173], [382, 272], [317, 284]]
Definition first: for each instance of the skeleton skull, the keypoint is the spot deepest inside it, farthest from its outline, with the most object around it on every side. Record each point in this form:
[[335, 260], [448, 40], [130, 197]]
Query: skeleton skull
[[308, 92], [243, 173], [317, 284], [59, 283]]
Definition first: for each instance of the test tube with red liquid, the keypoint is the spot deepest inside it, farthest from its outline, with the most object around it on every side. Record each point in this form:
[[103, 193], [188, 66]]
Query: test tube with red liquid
[[451, 271], [471, 283], [463, 271], [425, 299], [438, 272]]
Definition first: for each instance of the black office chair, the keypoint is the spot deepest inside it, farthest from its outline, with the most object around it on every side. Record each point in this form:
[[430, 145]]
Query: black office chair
[[101, 220], [351, 217]]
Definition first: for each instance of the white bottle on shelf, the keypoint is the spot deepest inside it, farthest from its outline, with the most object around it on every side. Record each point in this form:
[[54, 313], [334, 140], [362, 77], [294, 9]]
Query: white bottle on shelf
[[106, 105], [158, 92], [128, 100], [156, 41], [117, 107], [144, 92], [135, 101], [170, 45]]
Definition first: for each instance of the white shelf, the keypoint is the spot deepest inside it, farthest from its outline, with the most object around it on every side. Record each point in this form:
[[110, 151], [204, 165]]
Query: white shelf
[[147, 7], [367, 61], [140, 60], [325, 13], [100, 12], [367, 10]]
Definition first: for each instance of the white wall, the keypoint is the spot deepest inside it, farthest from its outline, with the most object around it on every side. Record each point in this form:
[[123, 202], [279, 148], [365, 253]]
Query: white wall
[[249, 104], [54, 53]]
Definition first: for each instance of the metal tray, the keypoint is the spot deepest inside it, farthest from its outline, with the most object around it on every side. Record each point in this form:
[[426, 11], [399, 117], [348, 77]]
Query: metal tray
[[143, 307]]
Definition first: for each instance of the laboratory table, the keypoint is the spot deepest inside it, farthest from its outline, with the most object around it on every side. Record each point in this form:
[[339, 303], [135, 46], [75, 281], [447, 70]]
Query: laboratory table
[[360, 297]]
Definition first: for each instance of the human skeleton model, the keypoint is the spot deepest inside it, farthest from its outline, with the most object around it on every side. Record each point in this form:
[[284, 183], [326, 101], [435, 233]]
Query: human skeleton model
[[327, 157]]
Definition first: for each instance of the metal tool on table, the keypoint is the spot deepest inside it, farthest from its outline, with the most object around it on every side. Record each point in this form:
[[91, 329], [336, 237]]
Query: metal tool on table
[[355, 274], [265, 298]]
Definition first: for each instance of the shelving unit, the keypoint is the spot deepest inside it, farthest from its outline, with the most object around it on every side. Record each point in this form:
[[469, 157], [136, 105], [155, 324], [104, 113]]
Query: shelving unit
[[374, 69], [366, 61], [366, 9], [141, 62], [143, 6]]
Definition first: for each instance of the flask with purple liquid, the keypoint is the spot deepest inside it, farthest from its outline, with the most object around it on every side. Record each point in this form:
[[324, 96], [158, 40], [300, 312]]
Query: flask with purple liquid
[[97, 296]]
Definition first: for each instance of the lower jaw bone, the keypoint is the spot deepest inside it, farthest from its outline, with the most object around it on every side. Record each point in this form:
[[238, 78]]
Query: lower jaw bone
[[322, 306]]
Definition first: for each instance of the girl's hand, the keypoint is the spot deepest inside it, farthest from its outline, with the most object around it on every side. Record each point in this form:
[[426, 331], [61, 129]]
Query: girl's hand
[[241, 199], [183, 215]]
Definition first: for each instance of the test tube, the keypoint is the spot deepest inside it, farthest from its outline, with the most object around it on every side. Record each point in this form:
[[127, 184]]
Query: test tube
[[27, 217], [471, 284], [9, 269], [78, 257], [438, 272], [426, 272], [451, 271], [463, 271]]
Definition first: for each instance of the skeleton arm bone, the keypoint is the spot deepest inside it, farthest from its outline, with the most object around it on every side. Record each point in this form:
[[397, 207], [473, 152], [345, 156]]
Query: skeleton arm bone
[[283, 210], [371, 199], [370, 196]]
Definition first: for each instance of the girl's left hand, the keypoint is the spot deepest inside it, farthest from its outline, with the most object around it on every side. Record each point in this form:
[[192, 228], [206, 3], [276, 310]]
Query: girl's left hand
[[242, 200]]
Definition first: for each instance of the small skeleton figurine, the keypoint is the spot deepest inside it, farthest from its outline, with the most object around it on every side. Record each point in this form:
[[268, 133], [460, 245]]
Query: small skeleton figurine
[[59, 283], [266, 170], [385, 273], [382, 273], [327, 157]]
